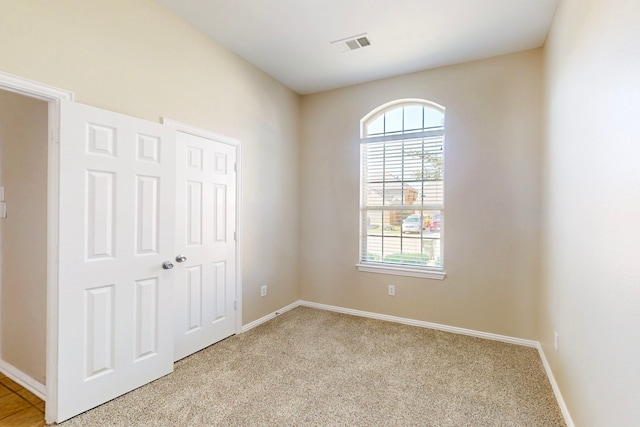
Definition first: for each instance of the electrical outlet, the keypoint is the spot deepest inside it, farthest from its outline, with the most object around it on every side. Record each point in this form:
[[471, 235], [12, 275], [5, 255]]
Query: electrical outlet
[[263, 290], [392, 290], [555, 340]]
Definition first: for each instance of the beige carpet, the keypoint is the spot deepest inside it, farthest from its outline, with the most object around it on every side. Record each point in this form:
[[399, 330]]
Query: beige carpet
[[310, 367]]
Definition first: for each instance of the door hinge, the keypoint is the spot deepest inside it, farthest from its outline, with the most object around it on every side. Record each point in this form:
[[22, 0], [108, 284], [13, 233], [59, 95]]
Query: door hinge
[[235, 236], [55, 136], [235, 304], [235, 167]]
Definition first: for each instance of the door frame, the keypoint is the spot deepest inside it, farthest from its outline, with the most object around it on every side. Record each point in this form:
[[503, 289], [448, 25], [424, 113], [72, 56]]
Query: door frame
[[192, 130], [53, 97]]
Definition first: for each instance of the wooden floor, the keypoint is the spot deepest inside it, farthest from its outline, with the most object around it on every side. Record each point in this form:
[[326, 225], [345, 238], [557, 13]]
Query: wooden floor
[[18, 406]]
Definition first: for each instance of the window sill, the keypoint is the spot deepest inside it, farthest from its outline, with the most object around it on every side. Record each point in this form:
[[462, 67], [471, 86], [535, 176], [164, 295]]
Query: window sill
[[402, 271]]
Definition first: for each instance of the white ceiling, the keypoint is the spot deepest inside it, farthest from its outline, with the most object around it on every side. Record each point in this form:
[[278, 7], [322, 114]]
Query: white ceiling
[[290, 39]]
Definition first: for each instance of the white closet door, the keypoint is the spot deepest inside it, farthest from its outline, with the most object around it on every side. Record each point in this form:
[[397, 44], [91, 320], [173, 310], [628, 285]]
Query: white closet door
[[205, 218], [117, 227]]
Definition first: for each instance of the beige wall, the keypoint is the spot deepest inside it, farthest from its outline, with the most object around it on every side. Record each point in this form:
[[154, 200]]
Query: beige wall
[[23, 281], [493, 134], [136, 58], [591, 288]]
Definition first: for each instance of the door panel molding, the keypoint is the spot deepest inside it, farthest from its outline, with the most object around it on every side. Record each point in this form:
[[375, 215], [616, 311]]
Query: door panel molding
[[117, 229], [195, 160]]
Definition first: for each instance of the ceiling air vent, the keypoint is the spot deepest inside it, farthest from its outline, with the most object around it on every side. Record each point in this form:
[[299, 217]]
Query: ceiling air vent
[[352, 43], [363, 41]]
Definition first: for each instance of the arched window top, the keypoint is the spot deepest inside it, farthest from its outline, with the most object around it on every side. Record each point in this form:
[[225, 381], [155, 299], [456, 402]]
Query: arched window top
[[402, 116]]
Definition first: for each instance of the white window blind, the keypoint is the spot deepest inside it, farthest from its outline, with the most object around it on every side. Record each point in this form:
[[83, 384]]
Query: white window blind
[[402, 187]]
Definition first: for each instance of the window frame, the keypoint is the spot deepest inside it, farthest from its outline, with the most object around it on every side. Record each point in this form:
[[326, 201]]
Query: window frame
[[428, 272]]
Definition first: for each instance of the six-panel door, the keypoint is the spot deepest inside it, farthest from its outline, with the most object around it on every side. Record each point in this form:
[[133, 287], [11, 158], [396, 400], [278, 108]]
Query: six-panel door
[[117, 226], [205, 226]]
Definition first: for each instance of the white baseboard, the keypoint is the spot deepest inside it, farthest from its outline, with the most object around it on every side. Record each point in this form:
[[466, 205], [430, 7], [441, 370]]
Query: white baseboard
[[269, 316], [388, 318], [23, 379], [422, 324], [429, 325], [556, 389]]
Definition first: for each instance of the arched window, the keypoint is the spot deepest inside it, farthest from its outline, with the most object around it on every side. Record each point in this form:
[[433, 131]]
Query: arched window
[[402, 189]]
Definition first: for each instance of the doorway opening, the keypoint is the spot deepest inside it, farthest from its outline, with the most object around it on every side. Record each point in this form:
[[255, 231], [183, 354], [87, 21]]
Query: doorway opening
[[23, 239], [31, 163]]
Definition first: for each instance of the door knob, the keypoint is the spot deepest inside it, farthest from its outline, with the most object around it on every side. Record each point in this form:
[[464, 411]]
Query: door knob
[[181, 258], [167, 265]]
